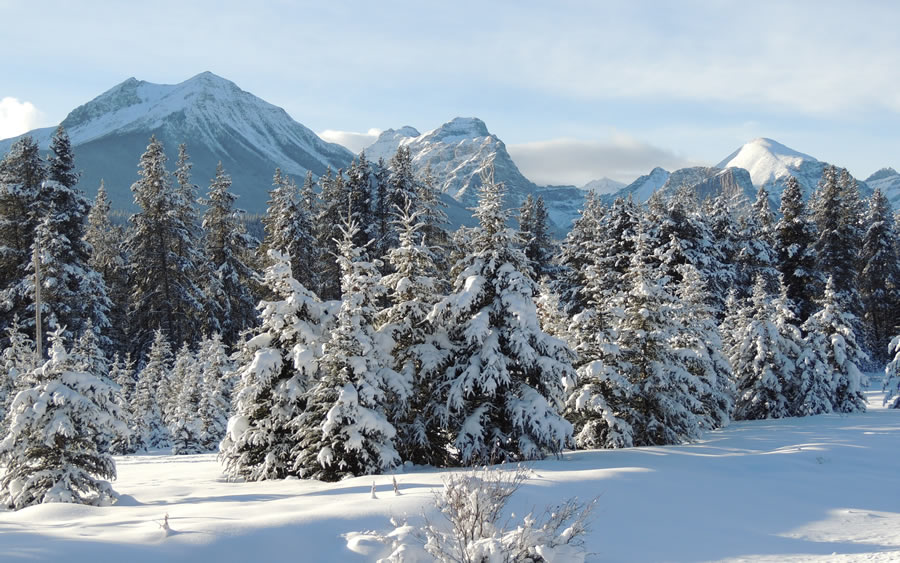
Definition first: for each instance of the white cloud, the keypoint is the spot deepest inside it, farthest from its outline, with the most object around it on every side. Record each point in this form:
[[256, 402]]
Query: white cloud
[[17, 117], [351, 139], [577, 162]]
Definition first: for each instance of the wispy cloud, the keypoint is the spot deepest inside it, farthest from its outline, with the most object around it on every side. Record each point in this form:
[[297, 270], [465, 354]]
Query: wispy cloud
[[576, 162], [17, 117], [351, 139]]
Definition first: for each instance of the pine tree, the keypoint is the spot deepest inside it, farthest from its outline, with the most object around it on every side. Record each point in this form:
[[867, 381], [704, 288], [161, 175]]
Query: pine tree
[[757, 256], [52, 451], [108, 258], [21, 174], [794, 239], [879, 278], [187, 389], [892, 376], [766, 346], [327, 226], [16, 361], [504, 386], [667, 395], [359, 186], [277, 366], [578, 251], [226, 247], [61, 162], [701, 342], [836, 218], [344, 430], [213, 409], [832, 330], [122, 373], [151, 395], [163, 260], [534, 232], [414, 287]]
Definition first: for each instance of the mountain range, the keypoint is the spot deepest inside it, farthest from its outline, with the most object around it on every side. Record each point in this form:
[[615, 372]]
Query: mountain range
[[220, 122]]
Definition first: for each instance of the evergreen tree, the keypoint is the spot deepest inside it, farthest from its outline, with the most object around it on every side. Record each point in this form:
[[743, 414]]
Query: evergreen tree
[[838, 243], [216, 386], [700, 340], [16, 361], [277, 366], [21, 174], [61, 162], [184, 421], [414, 287], [226, 247], [766, 345], [879, 278], [163, 260], [578, 251], [757, 256], [833, 339], [344, 430], [433, 216], [666, 405], [52, 451], [504, 385], [289, 226], [122, 372], [108, 258], [794, 239], [359, 195], [327, 225], [152, 393], [892, 376], [533, 230]]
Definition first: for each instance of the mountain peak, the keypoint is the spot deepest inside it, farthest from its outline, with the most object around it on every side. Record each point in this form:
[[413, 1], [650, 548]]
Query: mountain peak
[[462, 127], [881, 175]]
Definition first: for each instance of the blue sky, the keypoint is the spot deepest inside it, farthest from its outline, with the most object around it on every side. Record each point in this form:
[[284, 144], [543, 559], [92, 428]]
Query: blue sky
[[577, 90]]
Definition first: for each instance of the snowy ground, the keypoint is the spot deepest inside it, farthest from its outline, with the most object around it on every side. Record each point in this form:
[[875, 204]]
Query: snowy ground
[[824, 488]]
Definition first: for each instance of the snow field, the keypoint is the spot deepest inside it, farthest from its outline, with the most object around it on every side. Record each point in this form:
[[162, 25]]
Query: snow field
[[820, 488]]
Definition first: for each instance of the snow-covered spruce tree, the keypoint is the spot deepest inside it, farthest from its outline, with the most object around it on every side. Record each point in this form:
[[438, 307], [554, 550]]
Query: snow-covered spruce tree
[[831, 337], [667, 396], [289, 227], [187, 388], [359, 196], [344, 431], [402, 188], [276, 367], [701, 343], [579, 249], [504, 385], [52, 451], [216, 373], [333, 198], [21, 173], [227, 246], [795, 235], [431, 210], [61, 162], [108, 259], [16, 361], [763, 355], [879, 278], [413, 288], [122, 372], [719, 213], [534, 232], [892, 376], [757, 256], [839, 241], [152, 393], [163, 259]]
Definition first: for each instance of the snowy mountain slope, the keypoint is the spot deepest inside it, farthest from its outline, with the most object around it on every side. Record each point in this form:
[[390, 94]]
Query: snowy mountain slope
[[888, 181], [770, 164], [213, 116], [603, 186], [457, 153], [815, 489], [643, 187]]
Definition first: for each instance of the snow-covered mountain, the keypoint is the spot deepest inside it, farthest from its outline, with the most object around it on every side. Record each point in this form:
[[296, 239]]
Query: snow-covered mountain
[[705, 180], [603, 186], [641, 189], [770, 164], [215, 118], [888, 181], [457, 153]]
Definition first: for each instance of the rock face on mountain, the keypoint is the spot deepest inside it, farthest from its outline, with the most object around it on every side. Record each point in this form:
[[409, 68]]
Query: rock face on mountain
[[603, 186], [888, 181], [215, 119]]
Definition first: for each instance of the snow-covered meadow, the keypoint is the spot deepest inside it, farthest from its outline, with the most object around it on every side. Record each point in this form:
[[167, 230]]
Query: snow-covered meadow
[[821, 488]]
